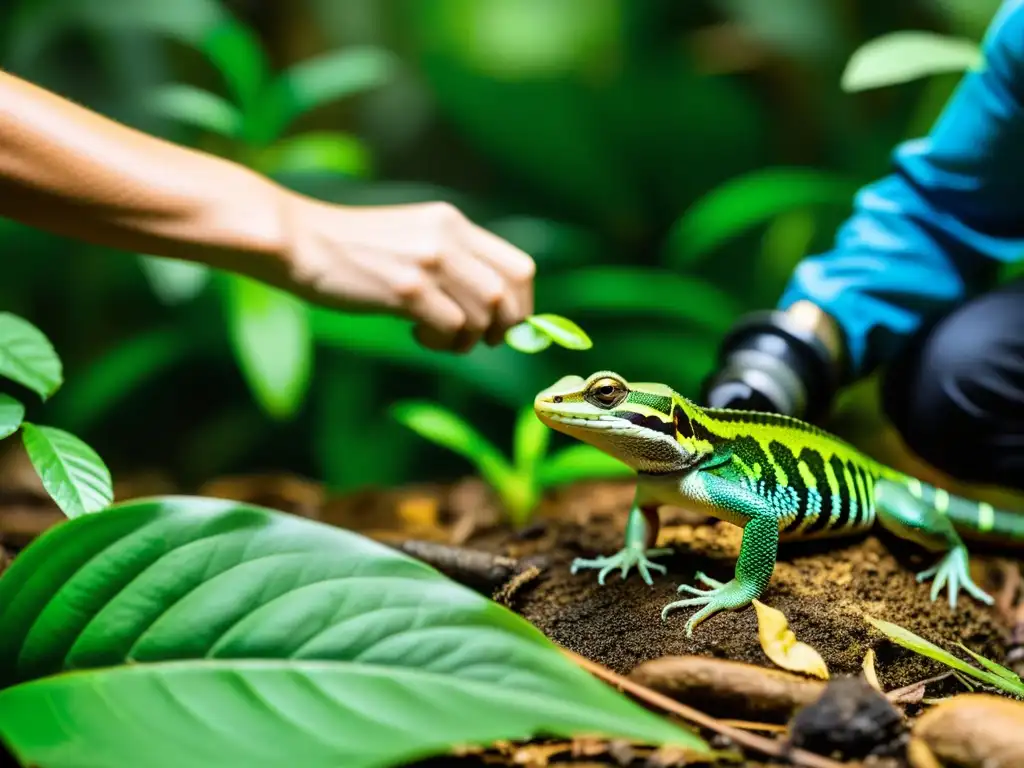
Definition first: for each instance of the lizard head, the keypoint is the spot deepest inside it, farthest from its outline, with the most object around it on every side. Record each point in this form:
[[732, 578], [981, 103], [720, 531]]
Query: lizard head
[[632, 422]]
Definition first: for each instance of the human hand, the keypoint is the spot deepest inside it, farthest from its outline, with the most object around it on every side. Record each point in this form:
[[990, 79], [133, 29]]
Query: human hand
[[456, 281]]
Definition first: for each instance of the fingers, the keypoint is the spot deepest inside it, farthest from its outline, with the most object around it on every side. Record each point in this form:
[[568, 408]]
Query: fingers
[[440, 319], [515, 266]]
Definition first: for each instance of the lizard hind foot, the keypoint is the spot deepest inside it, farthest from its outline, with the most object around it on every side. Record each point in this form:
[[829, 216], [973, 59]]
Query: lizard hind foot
[[953, 570], [625, 559], [720, 597]]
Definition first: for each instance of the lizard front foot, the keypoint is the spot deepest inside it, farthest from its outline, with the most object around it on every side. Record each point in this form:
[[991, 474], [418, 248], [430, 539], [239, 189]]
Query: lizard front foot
[[624, 559], [953, 568], [721, 597]]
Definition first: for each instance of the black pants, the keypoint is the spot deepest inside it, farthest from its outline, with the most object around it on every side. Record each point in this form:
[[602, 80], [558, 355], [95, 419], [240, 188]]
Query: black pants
[[956, 394]]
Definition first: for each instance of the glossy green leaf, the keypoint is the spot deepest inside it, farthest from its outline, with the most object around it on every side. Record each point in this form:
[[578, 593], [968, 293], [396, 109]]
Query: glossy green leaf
[[316, 82], [251, 637], [530, 440], [12, 413], [909, 640], [272, 341], [638, 292], [71, 472], [899, 57], [562, 331], [747, 201], [329, 151], [527, 338], [27, 357], [444, 428], [174, 281], [193, 106], [237, 52], [580, 462]]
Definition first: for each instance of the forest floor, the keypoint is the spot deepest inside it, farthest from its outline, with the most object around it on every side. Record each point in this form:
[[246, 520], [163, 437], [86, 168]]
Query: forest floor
[[825, 590]]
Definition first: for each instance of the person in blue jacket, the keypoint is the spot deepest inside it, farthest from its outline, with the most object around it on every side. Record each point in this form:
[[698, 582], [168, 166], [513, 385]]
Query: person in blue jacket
[[911, 284]]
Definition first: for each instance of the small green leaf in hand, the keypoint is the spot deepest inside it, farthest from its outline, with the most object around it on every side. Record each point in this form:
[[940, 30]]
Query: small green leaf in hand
[[71, 472], [537, 333], [27, 357], [11, 415]]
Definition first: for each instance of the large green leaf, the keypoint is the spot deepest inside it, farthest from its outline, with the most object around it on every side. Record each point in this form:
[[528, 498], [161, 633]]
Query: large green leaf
[[272, 341], [71, 472], [11, 415], [900, 57], [746, 201], [189, 105], [315, 82], [27, 357], [311, 644]]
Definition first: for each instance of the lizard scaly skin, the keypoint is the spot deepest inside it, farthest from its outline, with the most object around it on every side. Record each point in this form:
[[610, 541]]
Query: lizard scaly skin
[[775, 476]]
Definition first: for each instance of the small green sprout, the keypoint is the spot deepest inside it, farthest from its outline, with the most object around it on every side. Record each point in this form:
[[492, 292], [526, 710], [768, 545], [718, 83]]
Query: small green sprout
[[538, 332], [994, 674], [70, 471], [519, 482]]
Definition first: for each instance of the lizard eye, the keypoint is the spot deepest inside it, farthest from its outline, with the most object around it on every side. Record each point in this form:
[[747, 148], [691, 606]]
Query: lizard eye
[[606, 393]]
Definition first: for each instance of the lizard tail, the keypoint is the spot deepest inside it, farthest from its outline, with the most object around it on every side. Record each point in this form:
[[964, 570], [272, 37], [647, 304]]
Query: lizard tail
[[976, 520]]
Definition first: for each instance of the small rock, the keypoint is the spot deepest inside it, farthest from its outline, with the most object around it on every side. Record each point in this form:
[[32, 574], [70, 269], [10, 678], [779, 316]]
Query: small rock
[[972, 730], [850, 720], [730, 689]]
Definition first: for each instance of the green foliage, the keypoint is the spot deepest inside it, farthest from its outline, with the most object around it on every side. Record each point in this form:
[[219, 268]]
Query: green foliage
[[519, 482], [272, 342], [748, 200], [253, 637], [71, 472], [899, 57], [537, 333], [993, 674]]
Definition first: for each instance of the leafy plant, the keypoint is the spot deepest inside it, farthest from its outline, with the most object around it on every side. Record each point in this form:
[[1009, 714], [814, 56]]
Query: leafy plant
[[994, 674], [193, 631], [70, 471], [250, 125], [538, 332], [519, 481]]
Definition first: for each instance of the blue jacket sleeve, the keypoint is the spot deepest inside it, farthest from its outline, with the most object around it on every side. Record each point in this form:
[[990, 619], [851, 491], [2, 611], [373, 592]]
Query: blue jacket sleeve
[[931, 234]]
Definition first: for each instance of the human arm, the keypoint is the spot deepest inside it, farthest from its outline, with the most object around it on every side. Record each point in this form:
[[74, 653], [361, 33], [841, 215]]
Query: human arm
[[73, 172], [930, 234]]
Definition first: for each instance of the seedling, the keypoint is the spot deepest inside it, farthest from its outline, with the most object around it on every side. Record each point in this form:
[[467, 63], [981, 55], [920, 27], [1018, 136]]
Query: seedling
[[71, 472], [993, 674], [538, 332], [518, 481]]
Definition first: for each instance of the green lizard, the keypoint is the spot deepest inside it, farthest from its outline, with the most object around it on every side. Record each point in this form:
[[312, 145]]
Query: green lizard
[[775, 476]]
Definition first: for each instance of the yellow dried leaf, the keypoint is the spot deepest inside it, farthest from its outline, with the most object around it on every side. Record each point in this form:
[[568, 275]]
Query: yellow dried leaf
[[869, 670], [781, 646]]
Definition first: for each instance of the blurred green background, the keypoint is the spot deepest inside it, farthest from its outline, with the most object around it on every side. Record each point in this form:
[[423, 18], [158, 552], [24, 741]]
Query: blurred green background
[[665, 162]]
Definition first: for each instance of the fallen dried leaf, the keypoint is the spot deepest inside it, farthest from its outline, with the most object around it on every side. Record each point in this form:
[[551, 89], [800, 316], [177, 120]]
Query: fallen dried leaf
[[914, 693], [418, 511], [728, 688], [781, 646], [868, 665], [972, 730]]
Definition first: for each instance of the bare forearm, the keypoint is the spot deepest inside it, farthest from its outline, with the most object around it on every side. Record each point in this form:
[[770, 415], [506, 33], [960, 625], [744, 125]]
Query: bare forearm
[[75, 173]]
